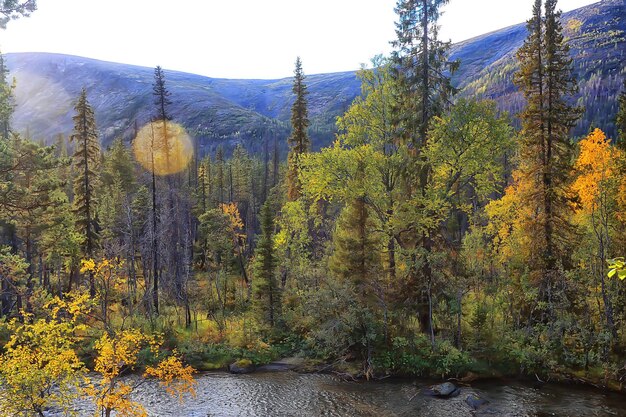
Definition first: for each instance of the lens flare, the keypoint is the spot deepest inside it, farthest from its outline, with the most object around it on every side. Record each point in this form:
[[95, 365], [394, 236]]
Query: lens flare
[[163, 147]]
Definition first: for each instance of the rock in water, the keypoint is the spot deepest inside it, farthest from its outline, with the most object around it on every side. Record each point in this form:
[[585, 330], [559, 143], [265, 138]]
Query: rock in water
[[474, 401], [445, 390]]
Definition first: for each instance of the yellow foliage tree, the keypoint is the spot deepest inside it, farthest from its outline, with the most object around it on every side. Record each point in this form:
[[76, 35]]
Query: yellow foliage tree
[[595, 167], [118, 354], [39, 368], [110, 283], [597, 186], [235, 228]]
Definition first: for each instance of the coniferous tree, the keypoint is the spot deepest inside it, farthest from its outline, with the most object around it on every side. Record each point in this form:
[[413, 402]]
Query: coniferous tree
[[219, 175], [298, 140], [86, 161], [356, 255], [161, 115], [420, 63], [161, 95], [545, 79], [267, 289]]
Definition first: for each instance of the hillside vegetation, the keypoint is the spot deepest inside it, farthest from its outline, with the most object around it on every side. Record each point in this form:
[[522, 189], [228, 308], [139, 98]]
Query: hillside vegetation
[[227, 112]]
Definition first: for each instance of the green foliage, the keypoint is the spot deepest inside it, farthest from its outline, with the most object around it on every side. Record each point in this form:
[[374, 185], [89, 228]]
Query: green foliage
[[467, 150], [417, 357]]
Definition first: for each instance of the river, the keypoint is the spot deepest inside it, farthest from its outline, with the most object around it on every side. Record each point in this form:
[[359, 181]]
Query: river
[[278, 394]]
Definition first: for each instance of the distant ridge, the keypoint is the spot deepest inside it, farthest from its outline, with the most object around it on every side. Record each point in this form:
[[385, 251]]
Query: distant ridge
[[226, 112]]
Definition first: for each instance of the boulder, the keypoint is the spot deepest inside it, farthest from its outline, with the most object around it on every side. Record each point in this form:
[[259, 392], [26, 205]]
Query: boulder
[[445, 390], [474, 401], [242, 366]]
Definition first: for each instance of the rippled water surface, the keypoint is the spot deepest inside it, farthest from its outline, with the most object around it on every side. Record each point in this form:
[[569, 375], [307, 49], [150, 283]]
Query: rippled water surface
[[277, 394]]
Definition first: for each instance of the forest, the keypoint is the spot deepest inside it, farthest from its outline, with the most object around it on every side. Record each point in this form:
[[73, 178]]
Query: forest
[[433, 238]]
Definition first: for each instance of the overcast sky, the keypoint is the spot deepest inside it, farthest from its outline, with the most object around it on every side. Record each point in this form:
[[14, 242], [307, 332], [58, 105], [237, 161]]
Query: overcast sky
[[242, 38]]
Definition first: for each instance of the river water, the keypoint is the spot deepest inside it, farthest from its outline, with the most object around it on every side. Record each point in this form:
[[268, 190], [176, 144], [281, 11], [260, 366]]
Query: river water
[[278, 394]]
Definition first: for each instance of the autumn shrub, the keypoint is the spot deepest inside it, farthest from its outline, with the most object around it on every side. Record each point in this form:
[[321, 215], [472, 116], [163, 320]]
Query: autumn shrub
[[447, 360], [118, 353], [39, 367]]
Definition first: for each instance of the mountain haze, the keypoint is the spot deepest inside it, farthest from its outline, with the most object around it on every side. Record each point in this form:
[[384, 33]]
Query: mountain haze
[[227, 112]]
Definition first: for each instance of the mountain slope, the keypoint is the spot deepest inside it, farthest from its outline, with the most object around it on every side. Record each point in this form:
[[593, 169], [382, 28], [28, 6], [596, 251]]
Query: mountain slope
[[597, 38], [222, 111], [214, 110]]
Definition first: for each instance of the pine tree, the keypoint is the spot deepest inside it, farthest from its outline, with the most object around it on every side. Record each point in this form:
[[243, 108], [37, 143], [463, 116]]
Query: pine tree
[[266, 288], [299, 140], [546, 81], [86, 163]]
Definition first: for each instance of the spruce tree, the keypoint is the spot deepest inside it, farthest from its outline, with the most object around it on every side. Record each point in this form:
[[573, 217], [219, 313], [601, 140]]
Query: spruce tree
[[266, 287], [86, 160], [545, 157], [299, 140], [355, 257], [420, 62], [161, 96], [161, 115]]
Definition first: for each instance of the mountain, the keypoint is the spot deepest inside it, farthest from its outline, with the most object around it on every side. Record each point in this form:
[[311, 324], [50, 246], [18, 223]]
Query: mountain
[[227, 112], [597, 38], [213, 110]]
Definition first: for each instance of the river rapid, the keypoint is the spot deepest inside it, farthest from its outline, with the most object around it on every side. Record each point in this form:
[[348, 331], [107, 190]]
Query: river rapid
[[278, 394]]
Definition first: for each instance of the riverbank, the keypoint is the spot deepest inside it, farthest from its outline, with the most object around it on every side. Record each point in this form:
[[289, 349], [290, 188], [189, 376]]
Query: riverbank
[[353, 371]]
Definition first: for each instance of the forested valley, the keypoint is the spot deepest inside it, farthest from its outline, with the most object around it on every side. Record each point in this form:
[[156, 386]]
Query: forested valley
[[433, 238]]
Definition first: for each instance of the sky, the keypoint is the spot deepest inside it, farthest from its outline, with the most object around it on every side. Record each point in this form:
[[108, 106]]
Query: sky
[[241, 38]]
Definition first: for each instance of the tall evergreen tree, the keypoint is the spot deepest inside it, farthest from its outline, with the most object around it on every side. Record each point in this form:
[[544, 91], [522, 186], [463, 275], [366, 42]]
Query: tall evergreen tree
[[161, 115], [299, 140], [545, 79], [267, 289], [86, 160], [420, 63], [161, 95]]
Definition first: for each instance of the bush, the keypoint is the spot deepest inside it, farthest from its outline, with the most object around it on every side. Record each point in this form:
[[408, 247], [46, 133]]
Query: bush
[[207, 357], [446, 360], [416, 357]]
